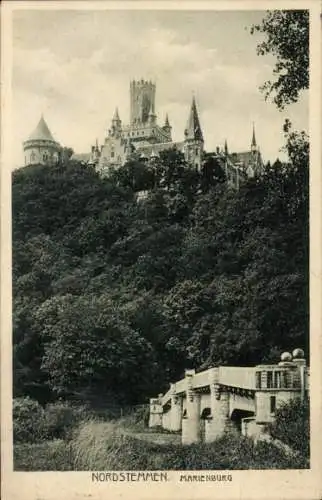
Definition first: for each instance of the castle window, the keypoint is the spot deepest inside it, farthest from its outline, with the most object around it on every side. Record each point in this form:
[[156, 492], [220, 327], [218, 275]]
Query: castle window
[[112, 154], [272, 404], [197, 151]]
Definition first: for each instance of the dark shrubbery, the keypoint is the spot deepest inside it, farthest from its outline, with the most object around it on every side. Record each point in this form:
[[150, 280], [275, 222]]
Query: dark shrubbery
[[33, 423], [27, 418], [60, 419], [292, 426]]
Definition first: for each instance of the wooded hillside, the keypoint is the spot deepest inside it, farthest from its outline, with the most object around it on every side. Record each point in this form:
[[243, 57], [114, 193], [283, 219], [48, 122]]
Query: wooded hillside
[[115, 297]]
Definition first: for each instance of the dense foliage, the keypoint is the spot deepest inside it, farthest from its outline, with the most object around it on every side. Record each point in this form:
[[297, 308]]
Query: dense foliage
[[114, 297], [33, 423], [286, 36], [292, 426]]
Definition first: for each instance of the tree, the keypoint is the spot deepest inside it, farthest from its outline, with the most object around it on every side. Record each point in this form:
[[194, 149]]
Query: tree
[[134, 174], [67, 153], [89, 344], [287, 38], [212, 173]]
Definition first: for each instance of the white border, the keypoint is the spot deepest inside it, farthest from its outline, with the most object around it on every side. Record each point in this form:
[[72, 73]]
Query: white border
[[251, 484]]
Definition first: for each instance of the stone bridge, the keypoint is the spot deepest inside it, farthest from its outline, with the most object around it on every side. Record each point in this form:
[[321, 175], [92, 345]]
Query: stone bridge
[[203, 406]]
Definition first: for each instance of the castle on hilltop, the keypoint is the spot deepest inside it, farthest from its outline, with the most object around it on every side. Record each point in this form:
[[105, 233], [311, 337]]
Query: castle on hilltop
[[146, 138], [143, 135]]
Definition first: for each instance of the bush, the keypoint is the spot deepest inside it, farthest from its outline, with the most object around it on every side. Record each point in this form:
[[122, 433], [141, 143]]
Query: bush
[[137, 419], [27, 419], [32, 422], [292, 426], [60, 419]]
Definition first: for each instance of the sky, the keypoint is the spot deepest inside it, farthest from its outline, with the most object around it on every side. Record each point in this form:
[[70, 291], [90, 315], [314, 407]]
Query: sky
[[75, 67]]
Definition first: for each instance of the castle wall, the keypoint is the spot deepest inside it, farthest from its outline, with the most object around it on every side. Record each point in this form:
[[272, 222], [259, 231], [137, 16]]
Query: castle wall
[[113, 153]]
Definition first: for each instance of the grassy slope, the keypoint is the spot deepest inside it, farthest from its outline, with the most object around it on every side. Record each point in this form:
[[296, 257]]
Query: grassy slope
[[104, 446]]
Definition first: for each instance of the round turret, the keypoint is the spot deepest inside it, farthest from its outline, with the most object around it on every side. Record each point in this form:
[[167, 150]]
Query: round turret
[[41, 147]]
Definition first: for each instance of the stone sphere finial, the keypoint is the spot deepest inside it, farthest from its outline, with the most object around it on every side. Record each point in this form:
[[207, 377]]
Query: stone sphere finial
[[298, 353], [286, 356]]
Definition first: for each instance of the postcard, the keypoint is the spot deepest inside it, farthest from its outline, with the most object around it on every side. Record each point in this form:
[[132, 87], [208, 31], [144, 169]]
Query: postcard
[[161, 250]]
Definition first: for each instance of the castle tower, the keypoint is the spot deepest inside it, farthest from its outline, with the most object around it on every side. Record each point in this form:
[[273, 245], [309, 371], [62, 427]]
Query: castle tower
[[41, 147], [142, 97], [193, 141], [116, 128]]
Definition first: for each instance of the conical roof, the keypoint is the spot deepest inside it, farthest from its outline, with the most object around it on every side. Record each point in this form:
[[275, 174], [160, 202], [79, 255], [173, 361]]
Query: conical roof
[[41, 132], [193, 130]]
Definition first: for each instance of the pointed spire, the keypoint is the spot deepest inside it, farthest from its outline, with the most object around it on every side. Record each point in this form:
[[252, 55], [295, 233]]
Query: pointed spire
[[226, 147], [253, 145], [166, 121], [193, 130], [116, 115]]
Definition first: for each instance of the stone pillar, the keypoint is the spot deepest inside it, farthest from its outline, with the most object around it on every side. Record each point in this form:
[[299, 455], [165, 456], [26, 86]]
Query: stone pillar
[[156, 410], [219, 421], [176, 410], [191, 422]]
